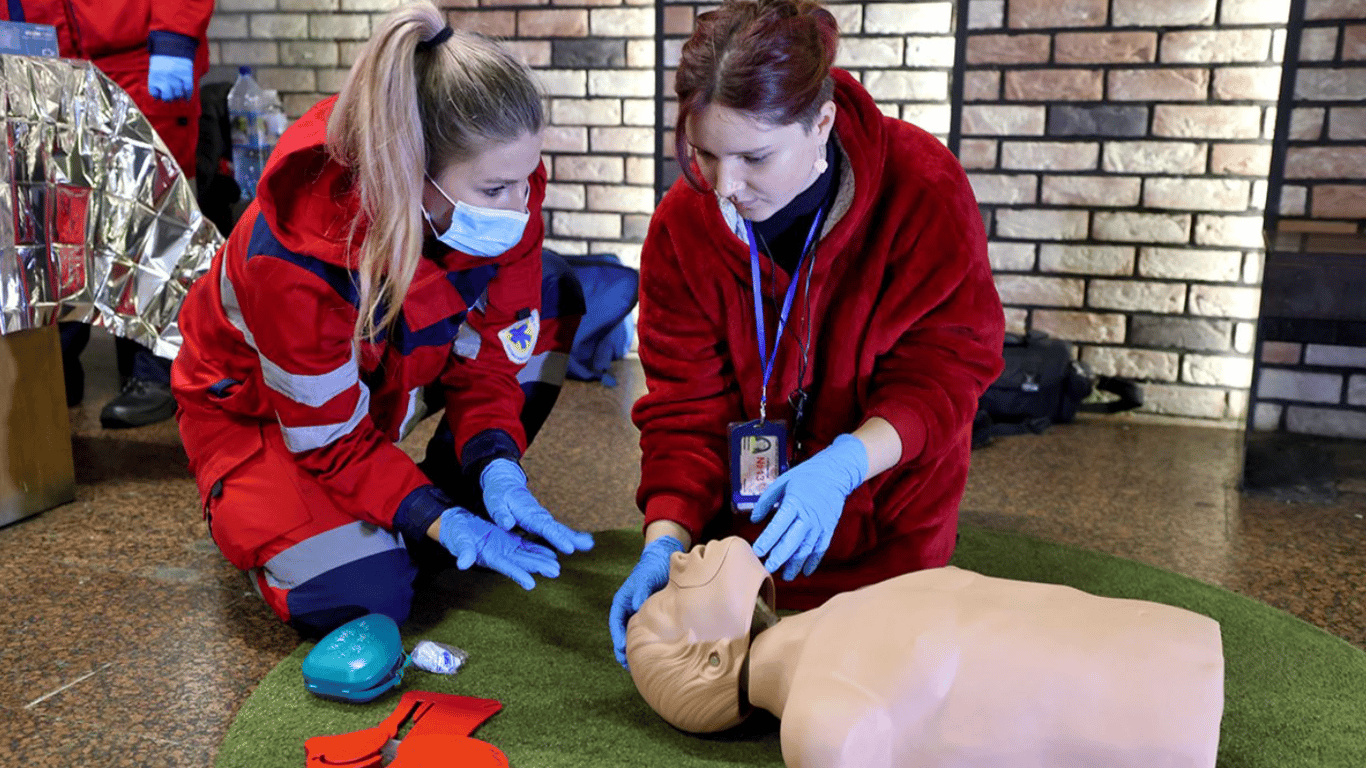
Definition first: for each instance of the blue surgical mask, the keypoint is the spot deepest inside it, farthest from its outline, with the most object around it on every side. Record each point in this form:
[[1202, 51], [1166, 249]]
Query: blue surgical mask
[[479, 231]]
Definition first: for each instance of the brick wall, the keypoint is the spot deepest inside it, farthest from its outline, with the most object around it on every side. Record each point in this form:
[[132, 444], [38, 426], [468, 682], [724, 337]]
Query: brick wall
[[1120, 150], [1311, 372], [1325, 159], [1317, 389]]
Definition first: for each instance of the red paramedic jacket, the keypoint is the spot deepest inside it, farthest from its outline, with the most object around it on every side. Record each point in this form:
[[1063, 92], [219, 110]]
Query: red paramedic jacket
[[268, 338], [119, 36], [95, 29], [906, 324]]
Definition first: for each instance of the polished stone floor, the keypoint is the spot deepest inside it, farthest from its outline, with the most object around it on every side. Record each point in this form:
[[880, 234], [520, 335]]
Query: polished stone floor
[[126, 640]]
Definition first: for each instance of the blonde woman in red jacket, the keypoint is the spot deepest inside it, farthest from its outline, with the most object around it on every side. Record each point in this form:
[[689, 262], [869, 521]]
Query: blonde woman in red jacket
[[390, 265], [857, 239]]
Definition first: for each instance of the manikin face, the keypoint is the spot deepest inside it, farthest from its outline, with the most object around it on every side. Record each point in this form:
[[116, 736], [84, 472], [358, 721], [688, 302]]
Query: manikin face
[[495, 177], [687, 645], [757, 166], [711, 591]]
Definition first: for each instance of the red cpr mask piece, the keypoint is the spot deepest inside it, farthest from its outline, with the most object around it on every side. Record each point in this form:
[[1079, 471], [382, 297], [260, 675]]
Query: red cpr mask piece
[[439, 750], [441, 724]]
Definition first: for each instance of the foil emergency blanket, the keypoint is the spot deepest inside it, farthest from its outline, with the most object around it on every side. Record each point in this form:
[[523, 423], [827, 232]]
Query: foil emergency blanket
[[97, 222]]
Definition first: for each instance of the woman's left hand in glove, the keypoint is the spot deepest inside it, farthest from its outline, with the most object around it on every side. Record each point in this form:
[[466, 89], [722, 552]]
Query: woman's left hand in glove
[[809, 499], [510, 503]]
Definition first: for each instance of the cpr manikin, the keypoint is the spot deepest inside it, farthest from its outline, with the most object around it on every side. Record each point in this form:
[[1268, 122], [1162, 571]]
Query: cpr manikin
[[941, 667]]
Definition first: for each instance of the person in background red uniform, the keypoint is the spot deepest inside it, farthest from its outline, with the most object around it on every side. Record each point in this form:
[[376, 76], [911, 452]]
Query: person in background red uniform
[[817, 284], [156, 51], [390, 264]]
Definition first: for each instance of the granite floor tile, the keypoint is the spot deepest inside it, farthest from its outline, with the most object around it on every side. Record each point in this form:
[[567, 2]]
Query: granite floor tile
[[1159, 493], [587, 456], [63, 623], [584, 465], [148, 529], [186, 686], [37, 741], [1168, 495]]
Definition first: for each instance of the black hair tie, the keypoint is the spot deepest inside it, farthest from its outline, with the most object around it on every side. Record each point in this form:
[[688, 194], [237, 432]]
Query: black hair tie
[[437, 39]]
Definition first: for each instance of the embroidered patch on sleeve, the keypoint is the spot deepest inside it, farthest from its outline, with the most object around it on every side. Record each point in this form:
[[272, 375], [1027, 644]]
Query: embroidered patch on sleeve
[[519, 339]]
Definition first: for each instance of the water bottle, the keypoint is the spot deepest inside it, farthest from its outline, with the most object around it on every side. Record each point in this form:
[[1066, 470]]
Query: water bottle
[[250, 145], [276, 121]]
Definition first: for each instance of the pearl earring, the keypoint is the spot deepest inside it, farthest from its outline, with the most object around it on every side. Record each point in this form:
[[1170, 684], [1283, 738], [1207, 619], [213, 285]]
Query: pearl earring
[[821, 162]]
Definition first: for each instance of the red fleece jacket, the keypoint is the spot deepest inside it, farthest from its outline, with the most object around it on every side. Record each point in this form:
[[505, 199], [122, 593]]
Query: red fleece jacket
[[906, 325]]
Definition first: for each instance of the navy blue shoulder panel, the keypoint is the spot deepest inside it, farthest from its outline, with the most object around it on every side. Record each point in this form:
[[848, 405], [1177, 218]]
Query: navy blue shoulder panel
[[436, 335], [264, 243], [472, 282]]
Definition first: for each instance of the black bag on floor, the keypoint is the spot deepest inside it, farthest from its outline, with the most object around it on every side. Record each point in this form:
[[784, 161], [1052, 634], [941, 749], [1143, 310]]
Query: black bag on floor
[[1043, 385]]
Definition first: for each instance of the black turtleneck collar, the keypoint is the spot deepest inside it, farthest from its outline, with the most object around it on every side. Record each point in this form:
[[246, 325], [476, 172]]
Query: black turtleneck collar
[[783, 234]]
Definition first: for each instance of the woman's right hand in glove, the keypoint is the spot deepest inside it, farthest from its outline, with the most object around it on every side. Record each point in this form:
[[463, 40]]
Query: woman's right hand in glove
[[648, 577], [473, 540]]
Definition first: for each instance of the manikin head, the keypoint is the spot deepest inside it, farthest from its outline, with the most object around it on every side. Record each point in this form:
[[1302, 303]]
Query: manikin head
[[687, 645]]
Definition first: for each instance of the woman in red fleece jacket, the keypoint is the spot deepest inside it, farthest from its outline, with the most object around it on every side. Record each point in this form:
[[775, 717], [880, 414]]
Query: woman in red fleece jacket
[[859, 239]]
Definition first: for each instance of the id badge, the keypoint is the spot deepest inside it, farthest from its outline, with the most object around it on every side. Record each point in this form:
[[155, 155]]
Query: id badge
[[758, 454]]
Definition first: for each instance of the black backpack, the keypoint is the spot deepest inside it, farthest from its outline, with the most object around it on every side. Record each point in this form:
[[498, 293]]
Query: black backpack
[[1041, 385]]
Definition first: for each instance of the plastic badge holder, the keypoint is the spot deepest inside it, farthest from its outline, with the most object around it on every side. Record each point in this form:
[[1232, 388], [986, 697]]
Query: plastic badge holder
[[357, 661]]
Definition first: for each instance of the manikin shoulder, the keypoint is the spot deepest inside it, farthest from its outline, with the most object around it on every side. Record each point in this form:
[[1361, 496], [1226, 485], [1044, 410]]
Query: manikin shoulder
[[837, 723]]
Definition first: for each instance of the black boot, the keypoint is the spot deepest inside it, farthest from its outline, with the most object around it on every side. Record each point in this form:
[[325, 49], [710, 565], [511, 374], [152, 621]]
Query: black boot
[[140, 403]]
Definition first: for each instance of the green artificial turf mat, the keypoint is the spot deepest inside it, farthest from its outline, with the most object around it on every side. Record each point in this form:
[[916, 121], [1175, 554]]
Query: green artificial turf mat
[[1294, 694]]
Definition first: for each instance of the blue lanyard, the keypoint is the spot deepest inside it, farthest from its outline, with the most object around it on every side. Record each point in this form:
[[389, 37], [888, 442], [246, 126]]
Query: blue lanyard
[[766, 357]]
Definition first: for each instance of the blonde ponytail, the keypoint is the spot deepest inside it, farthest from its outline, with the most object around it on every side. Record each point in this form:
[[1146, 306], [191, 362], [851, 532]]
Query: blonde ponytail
[[404, 112]]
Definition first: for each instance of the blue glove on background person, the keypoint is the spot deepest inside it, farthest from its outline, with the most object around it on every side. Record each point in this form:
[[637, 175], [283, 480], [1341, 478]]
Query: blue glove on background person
[[170, 77], [648, 577], [810, 499], [472, 539], [510, 504]]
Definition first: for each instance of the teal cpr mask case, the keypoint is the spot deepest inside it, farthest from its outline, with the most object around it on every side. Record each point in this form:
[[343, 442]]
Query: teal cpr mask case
[[357, 661]]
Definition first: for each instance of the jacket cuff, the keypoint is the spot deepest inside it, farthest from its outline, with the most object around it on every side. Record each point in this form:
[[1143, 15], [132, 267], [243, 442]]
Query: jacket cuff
[[163, 43], [909, 426], [675, 508], [419, 509], [485, 447]]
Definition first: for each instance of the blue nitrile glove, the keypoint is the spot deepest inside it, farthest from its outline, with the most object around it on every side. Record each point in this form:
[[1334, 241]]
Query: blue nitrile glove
[[510, 504], [170, 77], [472, 539], [648, 577], [810, 498]]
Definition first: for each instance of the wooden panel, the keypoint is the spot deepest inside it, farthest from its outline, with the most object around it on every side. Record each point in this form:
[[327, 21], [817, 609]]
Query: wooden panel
[[36, 467]]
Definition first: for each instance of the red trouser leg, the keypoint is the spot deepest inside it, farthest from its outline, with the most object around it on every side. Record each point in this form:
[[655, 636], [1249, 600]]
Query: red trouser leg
[[316, 566]]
